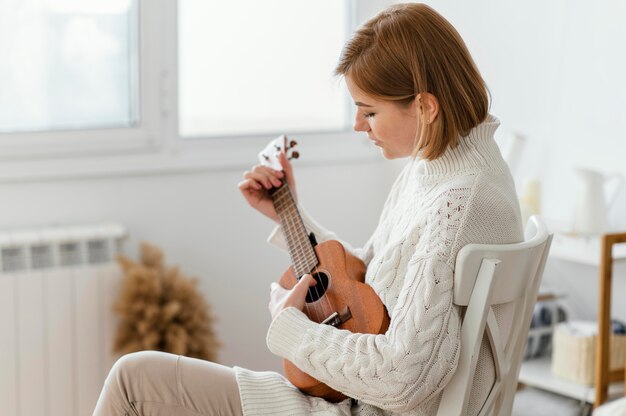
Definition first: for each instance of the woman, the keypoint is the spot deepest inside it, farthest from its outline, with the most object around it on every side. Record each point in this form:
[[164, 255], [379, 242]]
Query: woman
[[420, 96]]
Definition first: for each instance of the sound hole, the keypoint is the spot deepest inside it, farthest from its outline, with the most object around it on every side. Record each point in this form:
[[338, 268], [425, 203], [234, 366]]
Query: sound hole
[[317, 291]]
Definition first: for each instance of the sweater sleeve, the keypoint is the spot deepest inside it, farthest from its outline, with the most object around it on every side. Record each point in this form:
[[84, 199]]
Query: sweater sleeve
[[397, 370]]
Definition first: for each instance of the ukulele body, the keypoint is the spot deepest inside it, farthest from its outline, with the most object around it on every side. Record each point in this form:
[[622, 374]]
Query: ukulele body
[[344, 276]]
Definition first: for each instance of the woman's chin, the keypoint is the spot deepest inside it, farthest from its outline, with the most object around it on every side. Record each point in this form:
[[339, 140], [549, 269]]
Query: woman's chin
[[387, 154]]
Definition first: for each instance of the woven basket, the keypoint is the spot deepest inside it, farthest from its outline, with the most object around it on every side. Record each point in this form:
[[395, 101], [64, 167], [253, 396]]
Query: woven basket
[[573, 355]]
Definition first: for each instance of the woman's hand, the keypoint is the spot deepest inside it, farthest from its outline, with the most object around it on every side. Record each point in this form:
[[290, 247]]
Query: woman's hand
[[281, 298], [260, 179]]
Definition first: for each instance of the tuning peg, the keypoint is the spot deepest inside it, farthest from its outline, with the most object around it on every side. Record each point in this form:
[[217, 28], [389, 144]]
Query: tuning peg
[[294, 155], [266, 157], [277, 147], [292, 143]]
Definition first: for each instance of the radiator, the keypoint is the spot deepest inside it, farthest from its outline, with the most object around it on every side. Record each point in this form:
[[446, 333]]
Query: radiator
[[57, 287]]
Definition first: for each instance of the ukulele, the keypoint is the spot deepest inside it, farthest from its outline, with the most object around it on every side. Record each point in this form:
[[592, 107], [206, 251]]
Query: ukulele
[[340, 297]]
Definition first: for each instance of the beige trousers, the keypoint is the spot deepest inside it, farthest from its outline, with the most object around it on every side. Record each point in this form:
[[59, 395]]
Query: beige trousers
[[156, 383]]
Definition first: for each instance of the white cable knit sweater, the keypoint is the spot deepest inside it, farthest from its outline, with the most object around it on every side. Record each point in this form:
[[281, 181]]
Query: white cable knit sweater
[[433, 209]]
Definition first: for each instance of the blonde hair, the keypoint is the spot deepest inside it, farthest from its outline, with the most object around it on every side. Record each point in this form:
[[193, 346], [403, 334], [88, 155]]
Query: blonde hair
[[408, 49]]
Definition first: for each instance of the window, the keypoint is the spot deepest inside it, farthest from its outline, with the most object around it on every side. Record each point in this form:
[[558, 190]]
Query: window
[[250, 67], [68, 64], [125, 82]]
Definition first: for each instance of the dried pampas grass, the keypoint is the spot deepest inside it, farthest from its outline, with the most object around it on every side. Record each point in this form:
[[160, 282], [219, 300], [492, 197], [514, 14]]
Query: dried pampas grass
[[160, 309]]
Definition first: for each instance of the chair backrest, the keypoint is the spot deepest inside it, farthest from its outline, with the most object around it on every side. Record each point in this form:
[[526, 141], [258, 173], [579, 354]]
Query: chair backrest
[[486, 276]]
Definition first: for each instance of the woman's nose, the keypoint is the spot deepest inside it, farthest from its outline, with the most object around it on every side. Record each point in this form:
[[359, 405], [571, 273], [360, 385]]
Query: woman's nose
[[360, 124]]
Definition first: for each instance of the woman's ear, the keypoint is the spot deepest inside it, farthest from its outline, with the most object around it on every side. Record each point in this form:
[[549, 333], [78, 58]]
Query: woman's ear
[[428, 106]]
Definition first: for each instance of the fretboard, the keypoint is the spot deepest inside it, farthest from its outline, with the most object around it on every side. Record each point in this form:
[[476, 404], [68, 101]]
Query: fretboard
[[299, 245]]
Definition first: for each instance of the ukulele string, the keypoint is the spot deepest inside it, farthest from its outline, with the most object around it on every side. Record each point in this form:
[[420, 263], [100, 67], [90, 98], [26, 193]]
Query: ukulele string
[[314, 293], [288, 223], [317, 315], [314, 305], [311, 291], [318, 297], [330, 305]]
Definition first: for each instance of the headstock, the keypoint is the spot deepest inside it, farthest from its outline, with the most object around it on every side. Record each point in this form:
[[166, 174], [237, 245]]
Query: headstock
[[269, 155]]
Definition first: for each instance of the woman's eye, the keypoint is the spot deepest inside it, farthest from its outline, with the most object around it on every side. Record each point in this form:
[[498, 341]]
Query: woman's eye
[[369, 115]]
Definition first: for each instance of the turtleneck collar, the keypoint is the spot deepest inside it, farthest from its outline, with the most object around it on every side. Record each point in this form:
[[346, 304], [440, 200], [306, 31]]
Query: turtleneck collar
[[477, 149]]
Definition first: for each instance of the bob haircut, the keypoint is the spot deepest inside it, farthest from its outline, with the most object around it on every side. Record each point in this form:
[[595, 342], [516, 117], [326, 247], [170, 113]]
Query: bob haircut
[[408, 49]]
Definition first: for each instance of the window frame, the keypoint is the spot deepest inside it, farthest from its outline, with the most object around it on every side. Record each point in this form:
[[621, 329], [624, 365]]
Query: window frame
[[155, 146], [54, 143]]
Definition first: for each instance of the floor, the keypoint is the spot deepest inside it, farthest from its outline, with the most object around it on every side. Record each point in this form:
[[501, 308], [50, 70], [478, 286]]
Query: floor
[[534, 402]]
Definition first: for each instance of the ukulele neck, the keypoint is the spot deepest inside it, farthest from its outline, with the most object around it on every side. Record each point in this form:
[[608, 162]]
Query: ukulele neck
[[299, 244]]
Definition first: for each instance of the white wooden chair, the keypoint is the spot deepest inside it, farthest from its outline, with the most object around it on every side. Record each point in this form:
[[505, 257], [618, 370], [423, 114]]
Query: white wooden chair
[[485, 276]]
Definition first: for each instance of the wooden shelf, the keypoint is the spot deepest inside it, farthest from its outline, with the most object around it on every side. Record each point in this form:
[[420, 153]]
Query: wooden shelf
[[537, 373], [581, 249]]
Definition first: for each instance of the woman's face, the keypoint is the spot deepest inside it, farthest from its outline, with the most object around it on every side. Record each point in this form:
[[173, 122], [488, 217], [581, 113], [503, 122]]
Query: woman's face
[[390, 126]]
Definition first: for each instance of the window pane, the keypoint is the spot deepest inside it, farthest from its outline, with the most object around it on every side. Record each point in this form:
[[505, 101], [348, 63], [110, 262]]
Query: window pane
[[260, 66], [68, 64]]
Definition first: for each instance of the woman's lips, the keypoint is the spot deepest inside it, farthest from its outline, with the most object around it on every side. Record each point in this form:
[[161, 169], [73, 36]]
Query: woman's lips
[[375, 141]]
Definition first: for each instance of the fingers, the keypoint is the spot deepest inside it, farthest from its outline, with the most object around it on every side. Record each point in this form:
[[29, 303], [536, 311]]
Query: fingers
[[302, 287], [249, 183], [264, 177], [281, 298], [310, 280], [284, 162], [297, 298], [287, 168]]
